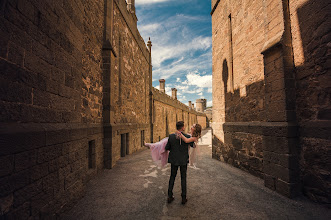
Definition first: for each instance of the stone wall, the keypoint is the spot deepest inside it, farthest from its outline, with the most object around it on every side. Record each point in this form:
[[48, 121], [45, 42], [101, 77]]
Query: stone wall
[[167, 111], [237, 83], [51, 104], [130, 85], [271, 98], [311, 35], [76, 96]]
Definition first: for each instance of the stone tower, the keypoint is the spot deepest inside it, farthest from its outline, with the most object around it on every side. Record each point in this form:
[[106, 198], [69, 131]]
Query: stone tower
[[201, 105]]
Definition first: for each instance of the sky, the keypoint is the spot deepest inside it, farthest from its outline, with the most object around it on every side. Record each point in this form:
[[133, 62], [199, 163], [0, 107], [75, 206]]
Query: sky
[[180, 31]]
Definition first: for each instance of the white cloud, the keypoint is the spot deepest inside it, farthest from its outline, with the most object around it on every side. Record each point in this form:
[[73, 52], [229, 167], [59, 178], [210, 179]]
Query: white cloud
[[182, 49], [161, 53], [195, 78], [210, 103], [168, 90], [149, 27]]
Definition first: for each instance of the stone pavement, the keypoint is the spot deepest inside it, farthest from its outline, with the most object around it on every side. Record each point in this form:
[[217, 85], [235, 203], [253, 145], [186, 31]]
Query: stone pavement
[[136, 189]]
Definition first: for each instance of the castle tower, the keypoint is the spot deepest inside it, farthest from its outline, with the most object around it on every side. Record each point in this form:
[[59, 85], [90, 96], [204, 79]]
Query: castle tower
[[162, 85], [201, 105], [174, 93], [190, 104]]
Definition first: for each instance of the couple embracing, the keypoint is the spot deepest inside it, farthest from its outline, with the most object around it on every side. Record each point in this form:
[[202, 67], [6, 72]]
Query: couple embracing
[[178, 149]]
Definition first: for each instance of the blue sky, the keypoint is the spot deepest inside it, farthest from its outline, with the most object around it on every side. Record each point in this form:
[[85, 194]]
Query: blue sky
[[180, 32]]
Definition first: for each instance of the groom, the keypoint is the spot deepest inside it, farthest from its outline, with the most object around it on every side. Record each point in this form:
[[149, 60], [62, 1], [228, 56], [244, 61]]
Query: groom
[[178, 157]]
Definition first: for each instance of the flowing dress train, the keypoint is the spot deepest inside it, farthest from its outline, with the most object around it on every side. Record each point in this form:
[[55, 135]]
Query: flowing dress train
[[160, 155]]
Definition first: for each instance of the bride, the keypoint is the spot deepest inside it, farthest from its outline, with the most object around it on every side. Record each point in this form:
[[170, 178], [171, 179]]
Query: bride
[[160, 155]]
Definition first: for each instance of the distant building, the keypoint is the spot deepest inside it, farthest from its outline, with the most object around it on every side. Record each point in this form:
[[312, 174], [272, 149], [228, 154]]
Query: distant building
[[201, 105]]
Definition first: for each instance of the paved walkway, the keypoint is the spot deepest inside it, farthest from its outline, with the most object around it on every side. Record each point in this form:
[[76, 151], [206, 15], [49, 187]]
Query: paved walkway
[[136, 189]]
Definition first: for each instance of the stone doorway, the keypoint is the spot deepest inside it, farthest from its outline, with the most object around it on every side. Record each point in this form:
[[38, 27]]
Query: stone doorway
[[124, 144]]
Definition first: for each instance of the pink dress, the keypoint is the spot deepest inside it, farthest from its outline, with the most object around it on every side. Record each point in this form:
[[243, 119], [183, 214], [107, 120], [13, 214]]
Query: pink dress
[[160, 155], [158, 152]]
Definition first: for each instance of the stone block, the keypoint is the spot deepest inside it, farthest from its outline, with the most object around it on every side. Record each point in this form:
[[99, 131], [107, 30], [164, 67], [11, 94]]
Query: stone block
[[280, 172], [324, 114], [237, 144], [316, 129], [290, 190], [63, 160], [53, 165], [20, 179], [25, 160], [50, 182], [57, 134], [6, 204], [37, 65], [27, 192], [21, 212], [15, 92], [38, 202], [49, 153], [39, 171], [285, 160], [7, 165], [6, 186]]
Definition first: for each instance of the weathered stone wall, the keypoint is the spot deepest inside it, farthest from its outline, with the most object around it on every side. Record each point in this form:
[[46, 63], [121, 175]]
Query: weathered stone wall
[[130, 87], [202, 120], [271, 105], [167, 111], [238, 82], [51, 104], [311, 33], [76, 95]]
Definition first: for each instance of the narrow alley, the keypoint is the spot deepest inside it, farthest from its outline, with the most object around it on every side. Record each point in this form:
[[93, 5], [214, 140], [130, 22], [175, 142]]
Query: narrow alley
[[136, 189]]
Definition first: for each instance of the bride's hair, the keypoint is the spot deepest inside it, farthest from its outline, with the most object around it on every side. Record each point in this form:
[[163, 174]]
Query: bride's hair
[[197, 131]]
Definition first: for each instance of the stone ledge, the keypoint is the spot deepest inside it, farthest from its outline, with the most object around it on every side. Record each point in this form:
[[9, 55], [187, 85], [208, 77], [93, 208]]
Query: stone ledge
[[166, 99], [275, 41], [19, 137], [280, 129]]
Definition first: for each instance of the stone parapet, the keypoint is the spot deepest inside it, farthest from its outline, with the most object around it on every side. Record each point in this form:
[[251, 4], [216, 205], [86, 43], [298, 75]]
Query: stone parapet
[[166, 99]]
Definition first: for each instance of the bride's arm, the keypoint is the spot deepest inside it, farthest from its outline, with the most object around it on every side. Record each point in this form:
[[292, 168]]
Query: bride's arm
[[188, 140]]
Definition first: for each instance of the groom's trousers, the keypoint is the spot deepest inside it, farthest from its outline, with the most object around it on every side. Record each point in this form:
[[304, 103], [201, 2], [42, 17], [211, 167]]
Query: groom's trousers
[[183, 171]]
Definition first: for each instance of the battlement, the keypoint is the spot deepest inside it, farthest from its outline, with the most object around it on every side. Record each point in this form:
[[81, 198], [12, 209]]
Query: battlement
[[166, 99]]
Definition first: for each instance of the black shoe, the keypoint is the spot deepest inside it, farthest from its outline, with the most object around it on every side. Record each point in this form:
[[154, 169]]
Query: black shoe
[[184, 200], [170, 199]]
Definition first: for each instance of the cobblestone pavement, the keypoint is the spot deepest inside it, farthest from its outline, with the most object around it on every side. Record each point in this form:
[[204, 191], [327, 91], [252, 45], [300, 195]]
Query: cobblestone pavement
[[136, 189]]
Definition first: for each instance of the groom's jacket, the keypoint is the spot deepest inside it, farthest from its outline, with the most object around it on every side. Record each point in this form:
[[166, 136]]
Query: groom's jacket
[[178, 150]]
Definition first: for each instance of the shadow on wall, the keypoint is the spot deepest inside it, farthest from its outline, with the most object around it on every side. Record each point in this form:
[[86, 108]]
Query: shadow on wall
[[313, 100], [313, 89], [240, 149], [246, 107]]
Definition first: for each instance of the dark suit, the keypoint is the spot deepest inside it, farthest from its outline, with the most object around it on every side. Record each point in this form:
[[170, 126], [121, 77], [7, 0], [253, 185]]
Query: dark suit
[[178, 157]]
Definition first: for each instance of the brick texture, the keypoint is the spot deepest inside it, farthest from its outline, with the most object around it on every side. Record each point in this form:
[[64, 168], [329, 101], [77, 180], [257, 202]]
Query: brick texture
[[271, 89], [72, 73]]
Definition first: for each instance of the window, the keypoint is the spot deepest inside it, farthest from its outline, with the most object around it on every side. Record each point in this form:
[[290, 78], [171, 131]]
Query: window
[[91, 154]]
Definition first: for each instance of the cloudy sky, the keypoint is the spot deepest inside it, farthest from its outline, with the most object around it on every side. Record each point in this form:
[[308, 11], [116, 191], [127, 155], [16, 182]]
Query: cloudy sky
[[180, 32]]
